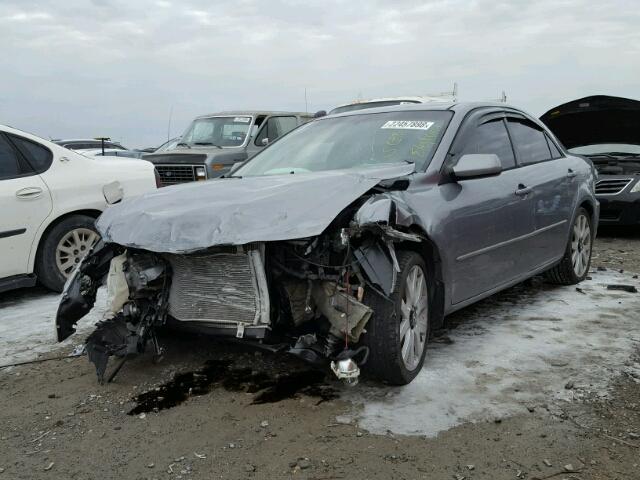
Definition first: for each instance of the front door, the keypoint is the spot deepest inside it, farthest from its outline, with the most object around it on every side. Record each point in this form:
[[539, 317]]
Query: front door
[[489, 219]]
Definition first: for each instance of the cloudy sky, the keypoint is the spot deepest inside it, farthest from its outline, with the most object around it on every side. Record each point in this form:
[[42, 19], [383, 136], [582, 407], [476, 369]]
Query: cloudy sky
[[81, 68]]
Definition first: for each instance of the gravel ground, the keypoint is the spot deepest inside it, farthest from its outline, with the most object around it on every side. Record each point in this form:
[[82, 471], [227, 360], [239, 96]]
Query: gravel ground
[[265, 416]]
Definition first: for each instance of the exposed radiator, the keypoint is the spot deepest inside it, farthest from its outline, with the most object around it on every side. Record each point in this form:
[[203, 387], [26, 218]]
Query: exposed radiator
[[226, 289]]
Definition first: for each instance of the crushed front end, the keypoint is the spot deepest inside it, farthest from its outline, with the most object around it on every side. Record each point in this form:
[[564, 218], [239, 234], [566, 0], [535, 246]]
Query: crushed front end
[[307, 295]]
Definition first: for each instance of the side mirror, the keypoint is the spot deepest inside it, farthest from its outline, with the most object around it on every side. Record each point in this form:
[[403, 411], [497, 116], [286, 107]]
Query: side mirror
[[264, 142], [477, 165]]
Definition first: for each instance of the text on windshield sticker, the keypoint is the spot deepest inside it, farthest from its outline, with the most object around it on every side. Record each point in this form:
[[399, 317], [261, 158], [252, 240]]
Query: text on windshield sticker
[[408, 124], [242, 119]]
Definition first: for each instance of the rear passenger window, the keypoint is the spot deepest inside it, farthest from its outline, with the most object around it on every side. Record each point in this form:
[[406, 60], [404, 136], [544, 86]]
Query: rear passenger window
[[555, 152], [39, 157], [529, 141], [491, 137], [9, 162]]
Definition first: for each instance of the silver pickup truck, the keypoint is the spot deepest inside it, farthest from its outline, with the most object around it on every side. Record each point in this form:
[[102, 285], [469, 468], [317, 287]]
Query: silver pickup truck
[[214, 143]]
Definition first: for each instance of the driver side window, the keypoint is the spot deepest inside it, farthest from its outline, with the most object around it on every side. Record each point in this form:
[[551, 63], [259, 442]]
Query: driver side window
[[276, 127], [489, 137]]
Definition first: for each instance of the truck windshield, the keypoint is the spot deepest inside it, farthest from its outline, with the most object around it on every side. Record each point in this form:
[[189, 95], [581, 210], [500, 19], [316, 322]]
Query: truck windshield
[[217, 131], [355, 141]]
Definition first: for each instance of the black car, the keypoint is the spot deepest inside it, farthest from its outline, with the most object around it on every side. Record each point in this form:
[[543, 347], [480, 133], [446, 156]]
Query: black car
[[607, 131]]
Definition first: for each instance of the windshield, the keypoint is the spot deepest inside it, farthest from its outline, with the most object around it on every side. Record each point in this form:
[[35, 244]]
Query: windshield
[[353, 142], [606, 148], [218, 131], [363, 105], [169, 145]]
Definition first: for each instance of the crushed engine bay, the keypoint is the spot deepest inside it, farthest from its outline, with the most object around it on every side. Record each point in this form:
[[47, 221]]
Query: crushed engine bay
[[305, 296]]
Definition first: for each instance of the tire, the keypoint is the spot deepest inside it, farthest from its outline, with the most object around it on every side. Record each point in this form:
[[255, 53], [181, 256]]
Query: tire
[[62, 249], [383, 337], [574, 266]]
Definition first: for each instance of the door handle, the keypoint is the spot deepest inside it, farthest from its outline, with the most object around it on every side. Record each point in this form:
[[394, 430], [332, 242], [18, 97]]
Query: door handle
[[571, 173], [29, 192], [523, 190]]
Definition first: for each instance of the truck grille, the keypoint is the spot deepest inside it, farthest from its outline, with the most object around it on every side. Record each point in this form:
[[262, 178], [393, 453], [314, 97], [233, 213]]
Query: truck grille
[[174, 174], [612, 186], [220, 288]]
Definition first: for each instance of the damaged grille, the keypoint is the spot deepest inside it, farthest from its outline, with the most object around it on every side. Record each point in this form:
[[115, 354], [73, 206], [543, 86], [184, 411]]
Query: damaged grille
[[174, 174], [221, 288], [612, 186]]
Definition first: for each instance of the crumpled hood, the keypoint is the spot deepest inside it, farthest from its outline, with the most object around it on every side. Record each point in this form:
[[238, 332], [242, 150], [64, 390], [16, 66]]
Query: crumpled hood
[[236, 211], [595, 120]]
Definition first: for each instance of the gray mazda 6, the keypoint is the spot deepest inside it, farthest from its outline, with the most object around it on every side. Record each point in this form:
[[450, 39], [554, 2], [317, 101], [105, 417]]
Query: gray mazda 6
[[345, 242]]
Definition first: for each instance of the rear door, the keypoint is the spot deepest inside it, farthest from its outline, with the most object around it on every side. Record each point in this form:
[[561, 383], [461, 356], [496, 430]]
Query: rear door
[[25, 202], [488, 221], [547, 174]]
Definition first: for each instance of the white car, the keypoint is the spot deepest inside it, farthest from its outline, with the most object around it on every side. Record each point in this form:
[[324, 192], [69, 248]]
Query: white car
[[50, 197]]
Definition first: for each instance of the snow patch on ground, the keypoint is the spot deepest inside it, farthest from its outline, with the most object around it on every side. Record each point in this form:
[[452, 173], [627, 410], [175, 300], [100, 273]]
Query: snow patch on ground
[[514, 350], [27, 323]]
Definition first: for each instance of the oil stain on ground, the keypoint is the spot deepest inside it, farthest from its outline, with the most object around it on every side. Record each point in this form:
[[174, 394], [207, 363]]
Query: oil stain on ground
[[218, 373]]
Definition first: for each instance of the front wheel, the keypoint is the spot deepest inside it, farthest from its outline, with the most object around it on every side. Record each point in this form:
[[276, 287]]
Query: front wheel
[[63, 248], [574, 266], [398, 330]]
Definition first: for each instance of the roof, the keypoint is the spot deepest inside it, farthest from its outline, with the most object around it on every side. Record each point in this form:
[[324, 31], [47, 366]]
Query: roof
[[253, 112]]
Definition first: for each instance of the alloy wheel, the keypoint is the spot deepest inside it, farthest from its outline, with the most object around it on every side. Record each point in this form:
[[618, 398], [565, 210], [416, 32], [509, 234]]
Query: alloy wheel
[[415, 317], [73, 247], [581, 245]]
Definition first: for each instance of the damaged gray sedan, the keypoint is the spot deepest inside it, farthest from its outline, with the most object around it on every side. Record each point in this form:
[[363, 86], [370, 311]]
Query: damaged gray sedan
[[346, 242]]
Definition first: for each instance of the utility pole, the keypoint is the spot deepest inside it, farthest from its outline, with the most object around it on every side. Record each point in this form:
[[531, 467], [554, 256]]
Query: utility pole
[[169, 124]]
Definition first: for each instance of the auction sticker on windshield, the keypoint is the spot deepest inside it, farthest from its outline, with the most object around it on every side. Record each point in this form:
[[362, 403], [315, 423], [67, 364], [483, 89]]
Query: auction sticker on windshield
[[242, 119], [408, 124]]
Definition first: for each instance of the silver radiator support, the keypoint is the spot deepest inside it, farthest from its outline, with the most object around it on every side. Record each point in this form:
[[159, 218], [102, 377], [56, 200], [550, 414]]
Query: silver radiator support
[[221, 289]]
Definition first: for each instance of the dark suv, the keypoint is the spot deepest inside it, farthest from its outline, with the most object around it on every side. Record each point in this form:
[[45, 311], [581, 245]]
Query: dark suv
[[214, 143]]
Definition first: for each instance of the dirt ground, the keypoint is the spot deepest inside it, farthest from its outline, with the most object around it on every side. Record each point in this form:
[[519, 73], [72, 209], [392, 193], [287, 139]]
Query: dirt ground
[[257, 415]]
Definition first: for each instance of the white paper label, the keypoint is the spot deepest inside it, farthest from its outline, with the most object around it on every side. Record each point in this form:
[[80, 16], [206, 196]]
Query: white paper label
[[408, 124], [242, 119]]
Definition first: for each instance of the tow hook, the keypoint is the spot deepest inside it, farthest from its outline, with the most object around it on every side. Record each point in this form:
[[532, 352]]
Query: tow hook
[[345, 366]]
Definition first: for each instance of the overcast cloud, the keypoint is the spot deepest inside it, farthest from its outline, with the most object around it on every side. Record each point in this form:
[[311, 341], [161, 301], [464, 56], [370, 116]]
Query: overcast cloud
[[109, 67]]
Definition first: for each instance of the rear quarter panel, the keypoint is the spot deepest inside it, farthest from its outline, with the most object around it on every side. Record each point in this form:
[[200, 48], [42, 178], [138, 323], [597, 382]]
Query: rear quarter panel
[[75, 183]]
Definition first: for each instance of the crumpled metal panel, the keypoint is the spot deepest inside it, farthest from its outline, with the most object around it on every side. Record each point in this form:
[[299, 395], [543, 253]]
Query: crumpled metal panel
[[237, 211]]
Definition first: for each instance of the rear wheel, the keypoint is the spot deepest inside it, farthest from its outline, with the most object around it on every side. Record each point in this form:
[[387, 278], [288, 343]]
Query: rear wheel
[[574, 266], [398, 330], [63, 248]]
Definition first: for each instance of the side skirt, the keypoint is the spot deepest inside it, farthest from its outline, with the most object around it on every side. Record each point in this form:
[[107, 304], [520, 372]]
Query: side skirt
[[17, 281], [499, 288]]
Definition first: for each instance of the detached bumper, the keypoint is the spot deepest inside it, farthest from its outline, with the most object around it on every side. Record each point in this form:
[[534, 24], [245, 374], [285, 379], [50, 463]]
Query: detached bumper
[[622, 209]]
